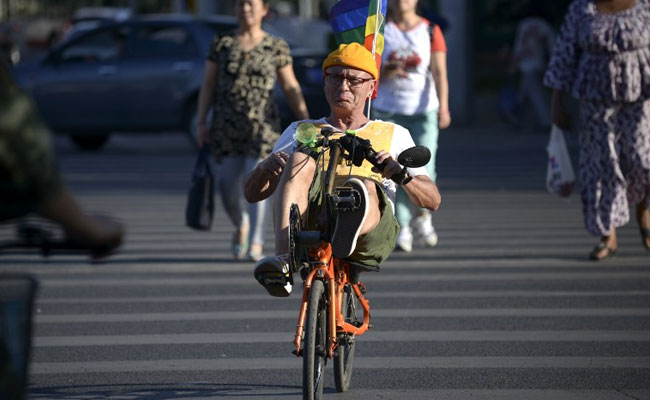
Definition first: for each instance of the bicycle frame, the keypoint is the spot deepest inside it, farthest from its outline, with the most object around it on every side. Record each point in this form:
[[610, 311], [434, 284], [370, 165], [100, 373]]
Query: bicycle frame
[[336, 274]]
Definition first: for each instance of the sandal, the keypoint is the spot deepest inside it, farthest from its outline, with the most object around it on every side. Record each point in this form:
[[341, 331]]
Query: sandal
[[598, 249], [239, 250]]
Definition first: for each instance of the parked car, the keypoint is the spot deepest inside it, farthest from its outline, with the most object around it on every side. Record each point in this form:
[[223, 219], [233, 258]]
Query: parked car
[[87, 18], [138, 75]]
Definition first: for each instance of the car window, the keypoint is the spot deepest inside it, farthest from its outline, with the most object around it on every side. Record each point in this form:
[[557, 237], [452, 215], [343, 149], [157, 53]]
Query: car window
[[105, 45], [154, 42]]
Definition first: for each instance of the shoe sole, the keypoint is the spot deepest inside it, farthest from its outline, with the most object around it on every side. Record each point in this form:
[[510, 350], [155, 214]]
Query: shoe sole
[[429, 242], [403, 248], [349, 223], [266, 271]]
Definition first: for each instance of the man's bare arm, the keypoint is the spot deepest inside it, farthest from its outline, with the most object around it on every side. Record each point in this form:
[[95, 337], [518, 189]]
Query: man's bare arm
[[263, 180], [422, 191]]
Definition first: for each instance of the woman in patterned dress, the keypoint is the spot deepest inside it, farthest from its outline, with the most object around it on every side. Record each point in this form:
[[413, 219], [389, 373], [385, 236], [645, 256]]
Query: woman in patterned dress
[[602, 57], [240, 73]]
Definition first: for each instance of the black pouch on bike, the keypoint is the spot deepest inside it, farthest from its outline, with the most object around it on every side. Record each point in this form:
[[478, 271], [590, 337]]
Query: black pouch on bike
[[200, 200]]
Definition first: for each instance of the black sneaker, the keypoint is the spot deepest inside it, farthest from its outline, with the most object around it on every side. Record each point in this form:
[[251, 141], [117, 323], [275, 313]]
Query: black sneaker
[[273, 273], [349, 222]]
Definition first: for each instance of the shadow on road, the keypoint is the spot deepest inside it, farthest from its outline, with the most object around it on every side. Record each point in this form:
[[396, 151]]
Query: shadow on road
[[163, 392]]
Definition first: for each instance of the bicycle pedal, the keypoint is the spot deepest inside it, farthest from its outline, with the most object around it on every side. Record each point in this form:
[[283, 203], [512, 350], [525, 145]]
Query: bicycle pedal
[[273, 279], [346, 199]]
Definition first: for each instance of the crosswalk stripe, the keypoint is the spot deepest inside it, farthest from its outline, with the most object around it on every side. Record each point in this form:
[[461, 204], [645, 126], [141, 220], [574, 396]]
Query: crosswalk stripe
[[359, 363], [373, 295], [187, 268], [434, 277], [381, 313], [373, 336]]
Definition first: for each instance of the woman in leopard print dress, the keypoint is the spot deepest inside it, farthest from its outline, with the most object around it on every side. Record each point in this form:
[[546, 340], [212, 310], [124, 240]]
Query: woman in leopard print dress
[[241, 71], [602, 57]]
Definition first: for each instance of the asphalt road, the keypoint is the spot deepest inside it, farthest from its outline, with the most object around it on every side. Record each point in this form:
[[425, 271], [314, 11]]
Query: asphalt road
[[505, 307]]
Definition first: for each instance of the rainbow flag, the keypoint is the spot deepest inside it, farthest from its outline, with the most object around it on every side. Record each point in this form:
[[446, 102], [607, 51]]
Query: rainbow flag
[[360, 21]]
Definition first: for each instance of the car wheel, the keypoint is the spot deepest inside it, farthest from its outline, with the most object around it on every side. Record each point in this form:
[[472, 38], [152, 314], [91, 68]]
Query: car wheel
[[90, 142]]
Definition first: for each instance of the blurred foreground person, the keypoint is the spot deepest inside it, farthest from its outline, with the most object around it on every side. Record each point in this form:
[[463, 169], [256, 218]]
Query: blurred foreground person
[[240, 74], [30, 180], [414, 93], [602, 57]]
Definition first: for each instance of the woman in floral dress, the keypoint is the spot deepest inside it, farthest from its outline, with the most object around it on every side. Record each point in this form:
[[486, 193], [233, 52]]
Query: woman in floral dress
[[602, 57], [240, 74]]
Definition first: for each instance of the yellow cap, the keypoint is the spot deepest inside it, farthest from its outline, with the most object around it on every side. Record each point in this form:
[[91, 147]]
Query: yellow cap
[[352, 55]]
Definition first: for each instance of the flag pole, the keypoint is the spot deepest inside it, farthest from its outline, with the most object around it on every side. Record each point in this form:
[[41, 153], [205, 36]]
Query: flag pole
[[378, 22]]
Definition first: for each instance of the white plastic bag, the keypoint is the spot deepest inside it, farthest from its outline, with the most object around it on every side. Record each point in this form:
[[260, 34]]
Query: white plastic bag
[[560, 178]]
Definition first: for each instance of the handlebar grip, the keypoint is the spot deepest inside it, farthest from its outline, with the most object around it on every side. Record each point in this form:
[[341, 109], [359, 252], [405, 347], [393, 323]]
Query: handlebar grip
[[350, 143], [371, 156]]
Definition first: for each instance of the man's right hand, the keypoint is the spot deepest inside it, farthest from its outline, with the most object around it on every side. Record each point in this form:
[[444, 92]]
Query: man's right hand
[[273, 165]]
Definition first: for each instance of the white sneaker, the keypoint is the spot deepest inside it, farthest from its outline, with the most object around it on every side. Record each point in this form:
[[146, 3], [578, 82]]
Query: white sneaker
[[405, 239], [425, 231]]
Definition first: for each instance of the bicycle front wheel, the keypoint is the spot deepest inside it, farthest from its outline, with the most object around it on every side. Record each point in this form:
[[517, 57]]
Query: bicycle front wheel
[[315, 344], [344, 356]]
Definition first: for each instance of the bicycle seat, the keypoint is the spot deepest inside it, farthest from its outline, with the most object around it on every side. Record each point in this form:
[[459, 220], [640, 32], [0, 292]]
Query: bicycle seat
[[356, 268]]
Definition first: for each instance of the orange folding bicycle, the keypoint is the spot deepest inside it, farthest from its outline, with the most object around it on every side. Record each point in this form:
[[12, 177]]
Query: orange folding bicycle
[[328, 322]]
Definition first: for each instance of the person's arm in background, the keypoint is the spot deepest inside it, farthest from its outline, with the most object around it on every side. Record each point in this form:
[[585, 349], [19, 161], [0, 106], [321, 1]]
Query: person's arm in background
[[438, 69], [206, 96], [287, 80], [559, 114], [292, 92]]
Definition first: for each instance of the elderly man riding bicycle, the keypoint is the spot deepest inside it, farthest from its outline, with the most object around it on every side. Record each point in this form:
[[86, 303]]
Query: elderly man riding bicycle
[[366, 235]]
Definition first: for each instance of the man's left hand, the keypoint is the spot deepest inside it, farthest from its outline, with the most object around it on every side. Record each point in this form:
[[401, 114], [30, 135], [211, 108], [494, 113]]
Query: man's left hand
[[391, 168]]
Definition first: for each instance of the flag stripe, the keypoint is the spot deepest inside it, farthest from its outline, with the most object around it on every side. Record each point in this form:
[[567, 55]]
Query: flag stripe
[[371, 22], [379, 45], [349, 20], [352, 35], [347, 5], [360, 21]]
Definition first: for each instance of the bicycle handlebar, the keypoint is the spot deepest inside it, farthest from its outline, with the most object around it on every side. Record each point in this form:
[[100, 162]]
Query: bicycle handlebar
[[359, 149]]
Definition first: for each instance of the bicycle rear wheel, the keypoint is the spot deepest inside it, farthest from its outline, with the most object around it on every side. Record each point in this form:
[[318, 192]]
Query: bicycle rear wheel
[[344, 357], [315, 344]]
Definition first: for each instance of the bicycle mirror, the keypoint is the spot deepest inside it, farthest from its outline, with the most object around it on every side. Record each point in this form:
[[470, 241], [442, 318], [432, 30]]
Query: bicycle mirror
[[414, 157]]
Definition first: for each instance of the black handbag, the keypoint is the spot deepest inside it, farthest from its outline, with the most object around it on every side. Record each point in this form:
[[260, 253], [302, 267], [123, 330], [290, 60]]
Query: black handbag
[[200, 199]]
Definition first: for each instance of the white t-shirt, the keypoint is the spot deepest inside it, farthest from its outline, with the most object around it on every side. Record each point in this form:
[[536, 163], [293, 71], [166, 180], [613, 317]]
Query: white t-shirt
[[386, 136], [415, 93]]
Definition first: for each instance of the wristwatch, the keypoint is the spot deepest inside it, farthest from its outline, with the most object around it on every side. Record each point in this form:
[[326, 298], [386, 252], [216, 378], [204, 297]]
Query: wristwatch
[[407, 179]]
